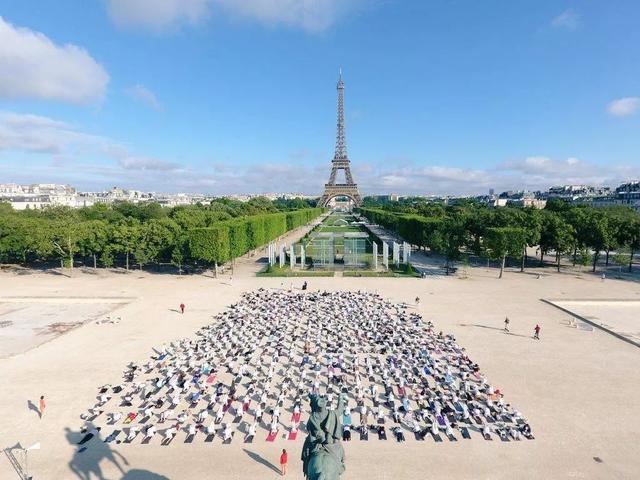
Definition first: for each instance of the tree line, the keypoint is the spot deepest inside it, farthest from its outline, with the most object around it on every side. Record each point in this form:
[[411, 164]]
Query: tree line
[[223, 241], [582, 232], [126, 234]]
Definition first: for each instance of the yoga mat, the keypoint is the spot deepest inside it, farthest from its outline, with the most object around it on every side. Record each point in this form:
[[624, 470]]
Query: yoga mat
[[86, 438], [112, 437]]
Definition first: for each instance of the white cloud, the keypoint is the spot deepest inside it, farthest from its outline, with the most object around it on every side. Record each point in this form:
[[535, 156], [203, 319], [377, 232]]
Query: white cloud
[[569, 19], [311, 15], [58, 151], [624, 107], [144, 95], [399, 175], [539, 172], [26, 133], [158, 15], [541, 165], [32, 66]]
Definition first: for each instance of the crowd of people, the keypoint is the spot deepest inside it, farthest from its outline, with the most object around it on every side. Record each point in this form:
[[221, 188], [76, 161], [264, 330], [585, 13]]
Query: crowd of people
[[248, 374]]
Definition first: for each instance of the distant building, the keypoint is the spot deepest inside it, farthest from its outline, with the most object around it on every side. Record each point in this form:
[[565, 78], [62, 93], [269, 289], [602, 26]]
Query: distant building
[[27, 202], [627, 194], [37, 195], [576, 192], [528, 202]]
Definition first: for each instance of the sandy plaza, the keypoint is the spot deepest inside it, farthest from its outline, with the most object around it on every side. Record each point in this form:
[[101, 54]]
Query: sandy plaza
[[319, 240], [577, 386]]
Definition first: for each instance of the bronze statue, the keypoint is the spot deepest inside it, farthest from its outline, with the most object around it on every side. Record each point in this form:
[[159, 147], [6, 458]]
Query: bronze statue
[[322, 453]]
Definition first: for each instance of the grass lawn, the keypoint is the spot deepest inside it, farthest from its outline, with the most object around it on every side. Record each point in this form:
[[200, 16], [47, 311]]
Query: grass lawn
[[339, 229], [286, 271], [389, 273]]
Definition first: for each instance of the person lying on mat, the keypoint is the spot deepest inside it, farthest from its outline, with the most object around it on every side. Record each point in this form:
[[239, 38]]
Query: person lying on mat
[[227, 432]]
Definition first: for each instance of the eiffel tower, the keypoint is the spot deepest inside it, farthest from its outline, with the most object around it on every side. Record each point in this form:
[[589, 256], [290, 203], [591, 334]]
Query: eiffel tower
[[340, 162]]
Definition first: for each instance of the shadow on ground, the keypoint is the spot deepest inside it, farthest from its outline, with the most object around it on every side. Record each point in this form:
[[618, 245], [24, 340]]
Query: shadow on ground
[[494, 328], [32, 406], [92, 451], [263, 461], [137, 474]]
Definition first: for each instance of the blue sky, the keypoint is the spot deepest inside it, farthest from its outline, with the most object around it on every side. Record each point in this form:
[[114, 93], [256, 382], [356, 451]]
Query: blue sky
[[238, 96]]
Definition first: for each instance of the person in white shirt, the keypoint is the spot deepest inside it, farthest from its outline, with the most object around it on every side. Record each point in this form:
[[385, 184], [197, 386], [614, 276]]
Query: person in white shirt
[[227, 433]]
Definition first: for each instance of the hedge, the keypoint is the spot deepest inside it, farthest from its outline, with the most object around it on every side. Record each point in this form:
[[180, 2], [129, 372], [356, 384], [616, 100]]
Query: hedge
[[414, 229], [233, 238]]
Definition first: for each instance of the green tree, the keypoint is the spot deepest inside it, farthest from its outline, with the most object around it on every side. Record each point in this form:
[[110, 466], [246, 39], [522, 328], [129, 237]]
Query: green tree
[[503, 242], [454, 237], [629, 236], [23, 238], [532, 225], [556, 234], [477, 224], [93, 239], [125, 238], [597, 234], [577, 218], [154, 237], [65, 237]]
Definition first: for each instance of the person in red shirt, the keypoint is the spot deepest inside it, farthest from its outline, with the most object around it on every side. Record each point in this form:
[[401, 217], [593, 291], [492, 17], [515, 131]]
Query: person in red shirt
[[283, 462], [536, 330], [182, 308]]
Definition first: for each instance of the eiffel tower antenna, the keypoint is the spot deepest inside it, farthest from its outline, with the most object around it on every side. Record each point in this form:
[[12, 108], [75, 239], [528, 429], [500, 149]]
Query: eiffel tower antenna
[[340, 160]]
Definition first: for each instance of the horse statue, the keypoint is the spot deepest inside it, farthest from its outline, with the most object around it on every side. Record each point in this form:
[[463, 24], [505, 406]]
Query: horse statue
[[322, 453]]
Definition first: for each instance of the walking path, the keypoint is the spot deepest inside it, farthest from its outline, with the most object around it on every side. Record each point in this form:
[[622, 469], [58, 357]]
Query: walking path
[[423, 263], [253, 262]]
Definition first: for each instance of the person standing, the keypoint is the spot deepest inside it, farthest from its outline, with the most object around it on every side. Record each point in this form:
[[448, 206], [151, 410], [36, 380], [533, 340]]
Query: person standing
[[506, 324], [42, 406], [417, 300], [283, 462], [536, 331], [182, 308]]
